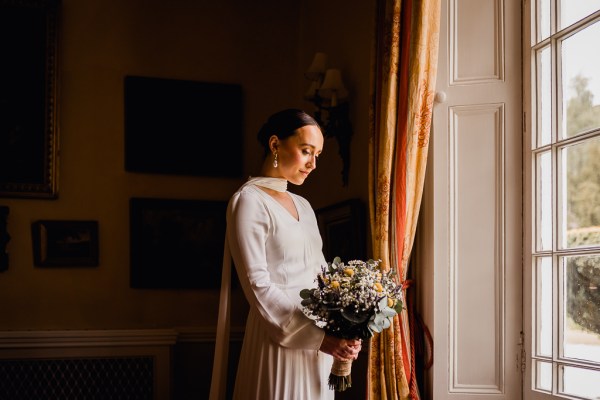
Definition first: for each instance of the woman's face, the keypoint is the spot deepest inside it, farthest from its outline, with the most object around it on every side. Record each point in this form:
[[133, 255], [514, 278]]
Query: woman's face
[[297, 155]]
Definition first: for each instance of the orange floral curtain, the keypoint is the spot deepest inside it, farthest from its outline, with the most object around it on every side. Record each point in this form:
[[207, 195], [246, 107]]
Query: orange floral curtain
[[403, 84]]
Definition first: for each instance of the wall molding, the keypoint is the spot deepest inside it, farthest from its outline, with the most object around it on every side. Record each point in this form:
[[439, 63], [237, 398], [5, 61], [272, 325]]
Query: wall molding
[[87, 338], [112, 338]]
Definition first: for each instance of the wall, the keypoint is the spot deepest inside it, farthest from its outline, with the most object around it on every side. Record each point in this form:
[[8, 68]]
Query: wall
[[100, 43], [344, 31], [264, 47]]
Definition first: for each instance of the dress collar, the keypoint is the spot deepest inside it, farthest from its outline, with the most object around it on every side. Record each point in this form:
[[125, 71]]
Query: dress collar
[[277, 184]]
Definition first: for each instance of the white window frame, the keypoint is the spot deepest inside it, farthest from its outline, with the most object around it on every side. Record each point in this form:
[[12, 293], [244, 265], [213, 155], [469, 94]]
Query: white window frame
[[532, 119]]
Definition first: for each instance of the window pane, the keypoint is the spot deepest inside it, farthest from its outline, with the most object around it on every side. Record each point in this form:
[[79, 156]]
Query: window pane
[[581, 319], [580, 194], [581, 382], [544, 97], [544, 306], [544, 201], [543, 19], [543, 376], [580, 82], [574, 10]]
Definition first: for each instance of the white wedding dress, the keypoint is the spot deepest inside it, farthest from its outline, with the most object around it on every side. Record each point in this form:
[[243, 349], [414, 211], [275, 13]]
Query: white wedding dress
[[276, 256]]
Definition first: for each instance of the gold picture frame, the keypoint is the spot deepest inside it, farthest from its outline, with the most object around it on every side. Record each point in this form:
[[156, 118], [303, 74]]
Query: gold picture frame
[[28, 99]]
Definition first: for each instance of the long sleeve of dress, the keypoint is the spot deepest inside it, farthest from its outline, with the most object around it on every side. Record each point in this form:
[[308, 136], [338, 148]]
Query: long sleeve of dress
[[250, 233]]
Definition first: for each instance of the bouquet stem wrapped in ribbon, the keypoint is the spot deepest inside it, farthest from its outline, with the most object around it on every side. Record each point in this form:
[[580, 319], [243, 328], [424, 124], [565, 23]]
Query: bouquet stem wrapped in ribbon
[[352, 301], [340, 378]]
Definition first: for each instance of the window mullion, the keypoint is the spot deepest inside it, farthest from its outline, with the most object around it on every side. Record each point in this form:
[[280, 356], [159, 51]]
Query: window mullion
[[555, 192]]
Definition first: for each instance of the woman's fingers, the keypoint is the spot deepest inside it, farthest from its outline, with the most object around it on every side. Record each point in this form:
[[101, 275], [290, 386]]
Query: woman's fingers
[[341, 349], [352, 351]]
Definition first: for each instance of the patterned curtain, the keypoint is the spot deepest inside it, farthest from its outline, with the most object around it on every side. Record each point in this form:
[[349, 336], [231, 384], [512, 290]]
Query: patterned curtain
[[403, 85]]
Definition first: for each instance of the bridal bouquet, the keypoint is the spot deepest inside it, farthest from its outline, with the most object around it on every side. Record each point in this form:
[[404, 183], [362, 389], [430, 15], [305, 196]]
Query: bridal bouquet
[[352, 301]]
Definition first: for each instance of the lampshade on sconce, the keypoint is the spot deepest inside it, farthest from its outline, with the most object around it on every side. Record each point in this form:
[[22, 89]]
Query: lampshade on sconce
[[317, 68], [328, 93], [333, 88], [312, 92]]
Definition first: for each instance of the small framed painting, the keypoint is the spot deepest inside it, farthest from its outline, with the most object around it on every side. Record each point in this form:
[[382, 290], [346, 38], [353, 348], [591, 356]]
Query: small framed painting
[[65, 243]]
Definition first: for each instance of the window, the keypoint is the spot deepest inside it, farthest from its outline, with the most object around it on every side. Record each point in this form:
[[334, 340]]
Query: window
[[565, 209]]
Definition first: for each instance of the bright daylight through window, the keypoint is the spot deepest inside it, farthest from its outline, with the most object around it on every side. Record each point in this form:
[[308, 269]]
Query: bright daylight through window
[[565, 154]]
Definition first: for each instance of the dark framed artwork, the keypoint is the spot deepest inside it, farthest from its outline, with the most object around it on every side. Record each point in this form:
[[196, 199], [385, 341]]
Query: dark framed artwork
[[65, 243], [342, 228], [4, 237], [28, 98], [176, 244], [183, 127]]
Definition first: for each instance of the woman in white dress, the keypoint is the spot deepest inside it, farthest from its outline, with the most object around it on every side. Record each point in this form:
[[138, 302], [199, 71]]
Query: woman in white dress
[[275, 244]]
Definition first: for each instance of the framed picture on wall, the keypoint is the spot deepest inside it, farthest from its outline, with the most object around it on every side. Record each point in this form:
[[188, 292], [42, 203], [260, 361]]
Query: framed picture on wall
[[4, 237], [183, 127], [28, 98], [342, 228], [65, 243], [176, 244]]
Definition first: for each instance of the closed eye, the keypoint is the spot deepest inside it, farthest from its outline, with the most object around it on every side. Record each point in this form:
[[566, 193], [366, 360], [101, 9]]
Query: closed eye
[[310, 152]]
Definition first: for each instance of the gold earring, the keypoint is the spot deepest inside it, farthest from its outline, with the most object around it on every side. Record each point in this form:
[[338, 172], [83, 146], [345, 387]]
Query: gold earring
[[275, 163]]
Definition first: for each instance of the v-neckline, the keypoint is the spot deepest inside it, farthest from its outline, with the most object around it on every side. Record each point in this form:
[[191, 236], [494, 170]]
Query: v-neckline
[[281, 205]]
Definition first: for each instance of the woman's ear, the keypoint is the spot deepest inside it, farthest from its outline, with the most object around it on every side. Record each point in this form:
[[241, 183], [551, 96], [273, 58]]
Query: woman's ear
[[273, 143]]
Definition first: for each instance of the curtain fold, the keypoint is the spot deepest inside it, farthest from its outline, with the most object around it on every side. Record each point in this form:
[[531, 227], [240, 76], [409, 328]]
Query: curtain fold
[[403, 87]]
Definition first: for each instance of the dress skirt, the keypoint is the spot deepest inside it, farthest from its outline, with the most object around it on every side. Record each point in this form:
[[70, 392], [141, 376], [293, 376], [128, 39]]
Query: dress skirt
[[283, 373]]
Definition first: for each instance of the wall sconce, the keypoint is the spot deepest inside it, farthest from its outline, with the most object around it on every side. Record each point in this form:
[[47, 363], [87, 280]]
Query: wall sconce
[[329, 95]]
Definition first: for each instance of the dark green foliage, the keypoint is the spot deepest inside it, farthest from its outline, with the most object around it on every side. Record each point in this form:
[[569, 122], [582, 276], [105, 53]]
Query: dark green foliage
[[583, 209], [583, 283]]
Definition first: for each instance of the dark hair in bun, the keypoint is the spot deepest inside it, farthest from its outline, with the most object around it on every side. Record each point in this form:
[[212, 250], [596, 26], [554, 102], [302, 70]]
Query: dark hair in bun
[[283, 124]]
